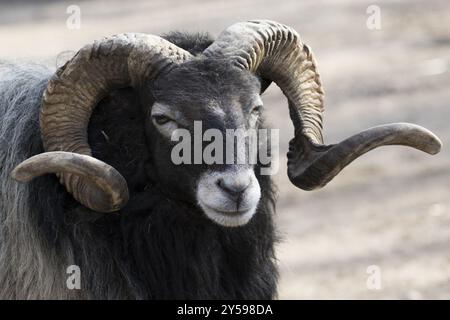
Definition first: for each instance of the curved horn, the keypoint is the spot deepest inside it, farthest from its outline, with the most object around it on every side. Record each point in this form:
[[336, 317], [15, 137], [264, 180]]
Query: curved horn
[[311, 167], [106, 188], [72, 93], [275, 52]]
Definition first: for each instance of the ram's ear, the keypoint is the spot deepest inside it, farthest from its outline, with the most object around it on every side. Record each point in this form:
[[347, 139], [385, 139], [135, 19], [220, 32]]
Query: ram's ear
[[265, 83]]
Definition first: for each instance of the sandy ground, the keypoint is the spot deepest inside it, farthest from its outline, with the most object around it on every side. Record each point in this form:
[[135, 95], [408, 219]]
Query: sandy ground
[[391, 208]]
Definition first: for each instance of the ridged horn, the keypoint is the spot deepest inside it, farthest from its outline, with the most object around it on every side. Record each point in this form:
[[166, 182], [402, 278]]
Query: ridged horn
[[124, 60], [106, 185], [275, 52]]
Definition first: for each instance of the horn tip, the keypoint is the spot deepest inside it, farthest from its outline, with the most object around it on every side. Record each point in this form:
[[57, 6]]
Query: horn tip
[[435, 145], [426, 140], [19, 174]]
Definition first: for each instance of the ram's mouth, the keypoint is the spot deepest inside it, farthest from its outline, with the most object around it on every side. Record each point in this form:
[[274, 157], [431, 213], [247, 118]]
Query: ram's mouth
[[227, 218], [228, 213]]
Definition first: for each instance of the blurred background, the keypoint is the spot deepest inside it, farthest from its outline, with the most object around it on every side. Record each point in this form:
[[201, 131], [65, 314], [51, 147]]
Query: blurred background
[[386, 217]]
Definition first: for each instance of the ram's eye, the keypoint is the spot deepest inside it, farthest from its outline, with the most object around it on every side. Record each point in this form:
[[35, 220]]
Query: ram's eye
[[257, 110], [160, 119]]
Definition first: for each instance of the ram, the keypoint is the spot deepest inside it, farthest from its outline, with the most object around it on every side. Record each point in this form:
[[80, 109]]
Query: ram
[[93, 141]]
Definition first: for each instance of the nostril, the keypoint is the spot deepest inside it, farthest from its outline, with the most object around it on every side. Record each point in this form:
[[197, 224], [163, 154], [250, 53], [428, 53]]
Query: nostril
[[233, 187], [222, 185]]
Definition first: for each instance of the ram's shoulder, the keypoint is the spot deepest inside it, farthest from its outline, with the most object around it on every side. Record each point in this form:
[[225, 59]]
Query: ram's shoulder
[[195, 43]]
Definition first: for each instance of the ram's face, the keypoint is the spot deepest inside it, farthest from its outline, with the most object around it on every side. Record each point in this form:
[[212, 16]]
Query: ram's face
[[200, 102]]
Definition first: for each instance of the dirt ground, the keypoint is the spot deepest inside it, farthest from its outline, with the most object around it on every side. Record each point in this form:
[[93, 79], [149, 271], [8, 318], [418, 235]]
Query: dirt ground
[[390, 208]]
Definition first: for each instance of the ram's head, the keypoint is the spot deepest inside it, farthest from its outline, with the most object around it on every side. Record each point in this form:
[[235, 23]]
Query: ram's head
[[221, 87]]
